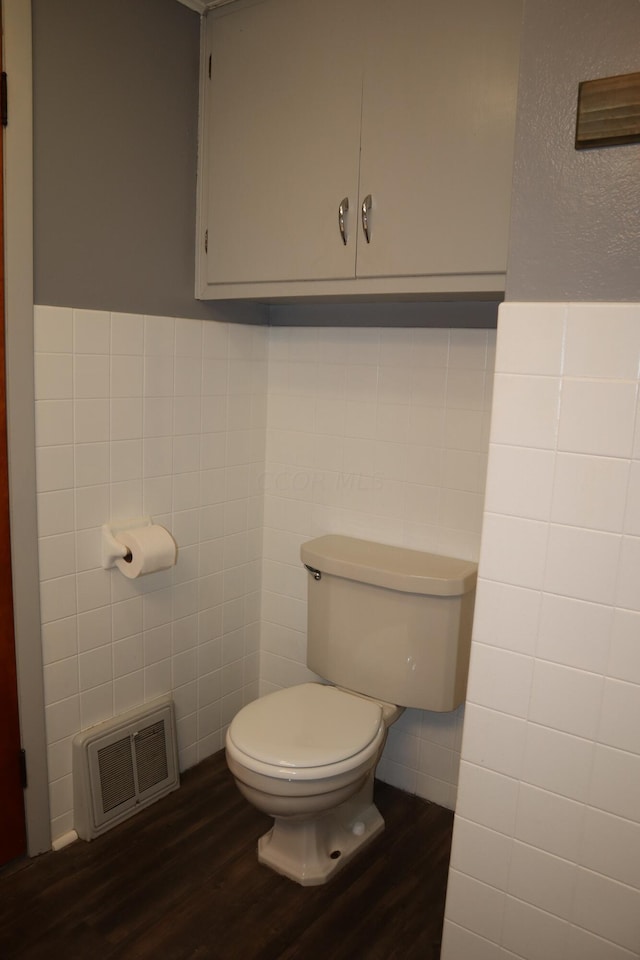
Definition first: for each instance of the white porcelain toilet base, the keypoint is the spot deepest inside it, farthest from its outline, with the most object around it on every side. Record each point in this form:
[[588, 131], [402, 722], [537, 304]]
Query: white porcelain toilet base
[[310, 852], [306, 756]]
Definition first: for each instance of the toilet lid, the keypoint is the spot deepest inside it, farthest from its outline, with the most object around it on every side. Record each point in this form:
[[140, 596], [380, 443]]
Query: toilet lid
[[309, 725]]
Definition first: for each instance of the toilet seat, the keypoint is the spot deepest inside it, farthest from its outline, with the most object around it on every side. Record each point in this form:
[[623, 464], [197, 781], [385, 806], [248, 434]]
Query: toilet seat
[[305, 732]]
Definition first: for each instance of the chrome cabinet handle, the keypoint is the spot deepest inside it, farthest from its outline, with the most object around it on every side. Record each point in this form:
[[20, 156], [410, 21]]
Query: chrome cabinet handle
[[366, 208], [343, 209]]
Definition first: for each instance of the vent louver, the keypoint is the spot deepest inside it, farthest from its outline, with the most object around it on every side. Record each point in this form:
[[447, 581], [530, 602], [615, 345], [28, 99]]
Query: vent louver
[[115, 764], [151, 756], [123, 765]]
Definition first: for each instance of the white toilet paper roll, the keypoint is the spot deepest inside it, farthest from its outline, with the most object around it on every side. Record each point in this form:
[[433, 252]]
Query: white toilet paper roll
[[150, 549]]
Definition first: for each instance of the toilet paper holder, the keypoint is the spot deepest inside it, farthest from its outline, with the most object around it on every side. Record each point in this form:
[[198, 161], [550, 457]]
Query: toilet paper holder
[[112, 550]]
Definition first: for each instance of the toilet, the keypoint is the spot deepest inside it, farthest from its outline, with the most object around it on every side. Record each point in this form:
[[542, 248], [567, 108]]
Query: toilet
[[388, 628]]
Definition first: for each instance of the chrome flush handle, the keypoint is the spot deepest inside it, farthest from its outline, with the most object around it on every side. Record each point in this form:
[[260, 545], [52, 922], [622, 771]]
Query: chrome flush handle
[[366, 210], [343, 209]]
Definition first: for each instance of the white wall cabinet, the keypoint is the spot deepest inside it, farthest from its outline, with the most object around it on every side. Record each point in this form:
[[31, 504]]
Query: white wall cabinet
[[405, 107]]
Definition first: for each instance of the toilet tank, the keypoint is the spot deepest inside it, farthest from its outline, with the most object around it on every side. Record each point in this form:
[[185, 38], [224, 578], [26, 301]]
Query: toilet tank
[[389, 622]]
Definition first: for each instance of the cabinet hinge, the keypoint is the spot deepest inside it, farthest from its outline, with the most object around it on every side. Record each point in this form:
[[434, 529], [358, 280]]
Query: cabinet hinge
[[23, 769], [206, 241], [4, 109], [209, 66]]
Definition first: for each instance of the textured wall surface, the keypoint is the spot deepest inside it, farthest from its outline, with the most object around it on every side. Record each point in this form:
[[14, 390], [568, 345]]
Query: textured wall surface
[[575, 220], [115, 148]]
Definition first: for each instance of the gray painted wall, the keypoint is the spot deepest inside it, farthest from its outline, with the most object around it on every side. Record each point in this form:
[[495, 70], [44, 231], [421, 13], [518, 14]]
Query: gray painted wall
[[575, 221], [439, 313], [115, 145]]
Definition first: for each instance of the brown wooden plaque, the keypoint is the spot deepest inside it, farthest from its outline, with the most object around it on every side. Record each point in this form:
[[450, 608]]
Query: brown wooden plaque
[[608, 111]]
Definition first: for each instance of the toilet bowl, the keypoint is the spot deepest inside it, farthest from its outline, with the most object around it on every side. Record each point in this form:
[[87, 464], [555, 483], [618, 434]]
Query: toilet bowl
[[306, 756]]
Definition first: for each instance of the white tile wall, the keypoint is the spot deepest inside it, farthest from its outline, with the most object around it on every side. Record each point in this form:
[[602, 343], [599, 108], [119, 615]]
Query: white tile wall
[[547, 837], [380, 434], [147, 415]]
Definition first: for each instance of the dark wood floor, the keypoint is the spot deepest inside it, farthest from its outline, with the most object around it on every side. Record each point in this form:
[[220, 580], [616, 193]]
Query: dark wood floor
[[180, 881]]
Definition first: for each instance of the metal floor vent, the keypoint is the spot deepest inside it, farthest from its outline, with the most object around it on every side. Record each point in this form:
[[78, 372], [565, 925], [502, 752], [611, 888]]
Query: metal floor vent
[[123, 765]]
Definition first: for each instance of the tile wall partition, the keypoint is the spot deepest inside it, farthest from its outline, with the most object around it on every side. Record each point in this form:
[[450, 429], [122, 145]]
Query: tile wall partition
[[546, 850], [379, 434], [147, 415]]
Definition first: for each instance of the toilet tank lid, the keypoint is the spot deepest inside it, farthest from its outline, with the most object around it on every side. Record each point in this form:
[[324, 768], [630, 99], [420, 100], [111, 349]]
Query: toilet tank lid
[[397, 568]]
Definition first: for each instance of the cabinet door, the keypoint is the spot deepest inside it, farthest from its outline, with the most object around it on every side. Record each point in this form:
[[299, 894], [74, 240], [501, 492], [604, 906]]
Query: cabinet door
[[283, 131], [437, 135]]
